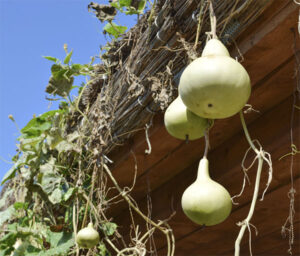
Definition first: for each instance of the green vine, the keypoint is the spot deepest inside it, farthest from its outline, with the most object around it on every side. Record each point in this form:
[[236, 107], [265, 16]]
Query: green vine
[[52, 189], [44, 178]]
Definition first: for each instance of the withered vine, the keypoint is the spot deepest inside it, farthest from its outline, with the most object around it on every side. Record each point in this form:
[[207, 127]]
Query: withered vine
[[59, 180]]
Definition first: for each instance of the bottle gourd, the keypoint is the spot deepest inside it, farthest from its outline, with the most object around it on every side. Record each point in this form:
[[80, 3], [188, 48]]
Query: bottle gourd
[[182, 123], [215, 85], [206, 202], [87, 237]]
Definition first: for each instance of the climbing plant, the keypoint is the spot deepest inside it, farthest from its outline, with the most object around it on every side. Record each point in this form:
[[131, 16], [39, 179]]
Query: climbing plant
[[53, 188]]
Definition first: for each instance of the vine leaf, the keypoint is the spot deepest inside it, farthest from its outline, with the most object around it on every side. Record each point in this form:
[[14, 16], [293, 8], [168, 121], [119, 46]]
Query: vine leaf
[[142, 5], [69, 194], [60, 243], [36, 126], [60, 86], [7, 241], [56, 196], [51, 182], [130, 7], [114, 29], [21, 205], [12, 171], [7, 214], [51, 58], [109, 228], [103, 250], [68, 57]]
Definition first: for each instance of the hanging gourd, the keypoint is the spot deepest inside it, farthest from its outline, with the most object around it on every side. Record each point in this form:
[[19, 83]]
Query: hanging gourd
[[215, 85], [87, 237], [182, 123], [206, 202]]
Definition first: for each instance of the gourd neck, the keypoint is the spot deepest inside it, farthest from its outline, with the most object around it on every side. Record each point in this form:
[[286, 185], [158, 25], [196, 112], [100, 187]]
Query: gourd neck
[[215, 47], [203, 171]]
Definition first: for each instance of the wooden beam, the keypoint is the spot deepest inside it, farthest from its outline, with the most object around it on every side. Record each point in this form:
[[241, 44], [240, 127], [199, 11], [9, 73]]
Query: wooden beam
[[272, 129], [263, 57], [270, 216], [172, 161], [272, 243]]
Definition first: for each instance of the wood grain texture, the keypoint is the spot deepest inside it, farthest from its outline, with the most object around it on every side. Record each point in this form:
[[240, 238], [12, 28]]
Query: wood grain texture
[[261, 61], [217, 240], [171, 167], [225, 169], [171, 161]]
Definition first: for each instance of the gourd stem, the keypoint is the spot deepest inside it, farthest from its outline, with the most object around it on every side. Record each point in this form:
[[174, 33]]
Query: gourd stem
[[213, 20], [89, 198], [206, 136], [247, 133]]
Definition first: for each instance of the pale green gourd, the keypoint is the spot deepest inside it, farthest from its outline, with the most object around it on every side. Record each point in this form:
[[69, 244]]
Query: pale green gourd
[[87, 237], [206, 202], [215, 85], [182, 123]]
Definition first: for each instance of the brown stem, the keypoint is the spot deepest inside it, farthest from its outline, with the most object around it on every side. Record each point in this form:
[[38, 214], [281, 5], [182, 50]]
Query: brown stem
[[199, 24]]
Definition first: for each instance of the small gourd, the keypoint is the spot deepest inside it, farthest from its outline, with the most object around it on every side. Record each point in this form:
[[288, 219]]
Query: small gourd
[[206, 202], [182, 123], [215, 85], [87, 237]]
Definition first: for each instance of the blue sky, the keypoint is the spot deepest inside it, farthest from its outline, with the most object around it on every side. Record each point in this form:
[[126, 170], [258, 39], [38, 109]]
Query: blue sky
[[29, 30]]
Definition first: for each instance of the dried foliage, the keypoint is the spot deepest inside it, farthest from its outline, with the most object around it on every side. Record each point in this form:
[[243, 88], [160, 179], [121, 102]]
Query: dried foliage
[[144, 66]]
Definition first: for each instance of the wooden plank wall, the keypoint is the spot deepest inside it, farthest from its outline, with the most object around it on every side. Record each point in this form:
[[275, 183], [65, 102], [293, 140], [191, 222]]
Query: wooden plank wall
[[172, 165]]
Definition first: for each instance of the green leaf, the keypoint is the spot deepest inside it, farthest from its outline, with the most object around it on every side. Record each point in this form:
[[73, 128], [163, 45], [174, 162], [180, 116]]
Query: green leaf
[[114, 30], [51, 58], [60, 243], [10, 174], [56, 196], [103, 250], [21, 249], [51, 182], [64, 146], [12, 171], [54, 139], [116, 5], [37, 125], [125, 3], [21, 205], [30, 144], [76, 67], [60, 82], [67, 145], [109, 228], [56, 68], [61, 74], [142, 5], [6, 214], [69, 193], [68, 57], [8, 240], [31, 251]]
